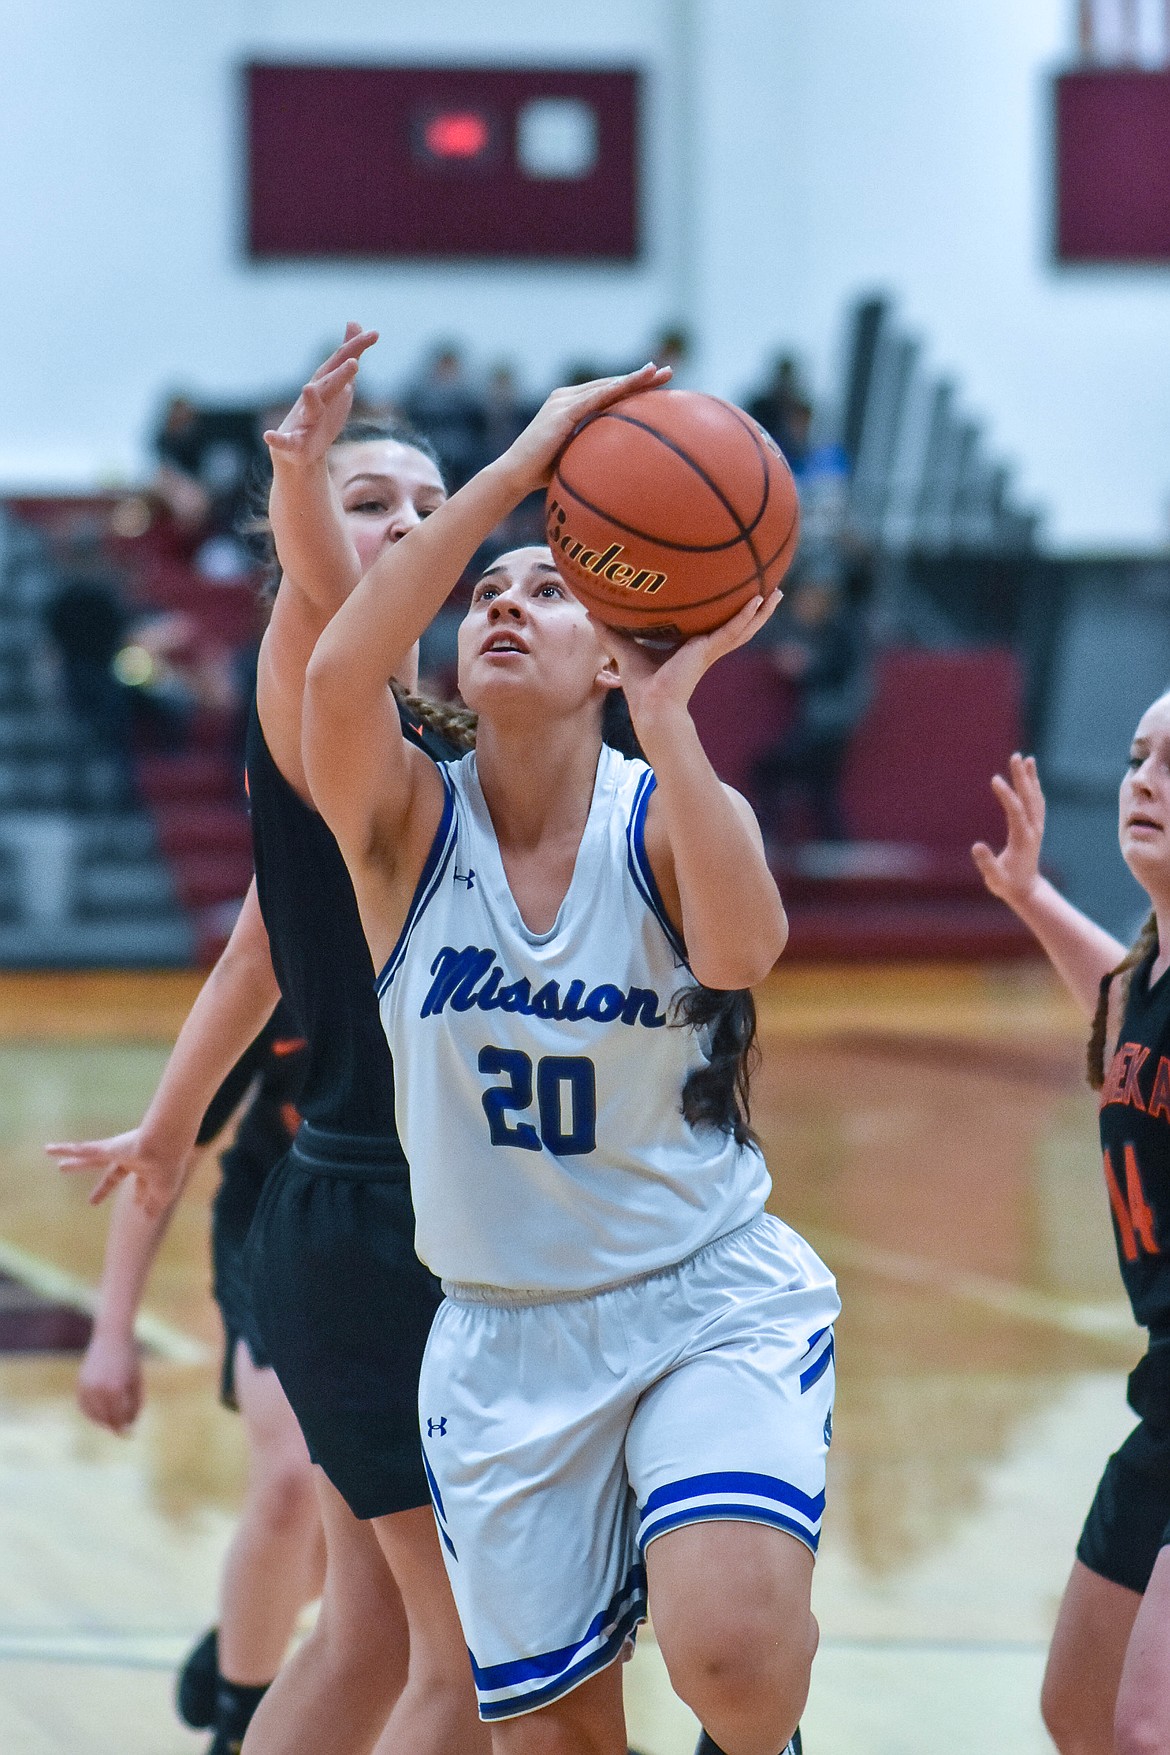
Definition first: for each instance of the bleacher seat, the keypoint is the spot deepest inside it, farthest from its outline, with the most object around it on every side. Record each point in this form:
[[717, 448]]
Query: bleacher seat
[[916, 794]]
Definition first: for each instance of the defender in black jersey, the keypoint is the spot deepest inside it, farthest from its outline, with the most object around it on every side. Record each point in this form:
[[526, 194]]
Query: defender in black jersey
[[342, 1303], [1107, 1684]]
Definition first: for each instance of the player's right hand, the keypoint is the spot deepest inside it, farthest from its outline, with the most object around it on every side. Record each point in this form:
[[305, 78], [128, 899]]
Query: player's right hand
[[532, 457], [322, 408], [1013, 873], [109, 1384], [158, 1178]]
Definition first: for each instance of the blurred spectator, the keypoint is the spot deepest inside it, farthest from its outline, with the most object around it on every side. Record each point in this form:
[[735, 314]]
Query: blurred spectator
[[506, 410], [205, 459], [443, 404], [87, 625], [823, 651], [784, 409], [107, 684]]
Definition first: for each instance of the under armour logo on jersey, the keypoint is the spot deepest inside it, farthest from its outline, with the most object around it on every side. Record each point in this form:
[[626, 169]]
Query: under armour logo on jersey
[[437, 1428], [465, 877]]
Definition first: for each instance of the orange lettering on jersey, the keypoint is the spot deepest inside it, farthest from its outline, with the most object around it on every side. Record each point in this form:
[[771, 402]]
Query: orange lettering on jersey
[[1140, 1210], [1112, 1083], [1160, 1095], [1131, 1210], [1120, 1213], [1121, 1086]]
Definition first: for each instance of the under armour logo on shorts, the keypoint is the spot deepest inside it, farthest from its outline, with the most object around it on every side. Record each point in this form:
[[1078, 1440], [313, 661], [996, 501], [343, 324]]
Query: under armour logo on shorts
[[437, 1428], [465, 877]]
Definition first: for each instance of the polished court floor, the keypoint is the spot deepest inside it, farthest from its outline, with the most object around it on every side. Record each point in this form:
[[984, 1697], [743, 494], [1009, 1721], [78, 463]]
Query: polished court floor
[[928, 1130]]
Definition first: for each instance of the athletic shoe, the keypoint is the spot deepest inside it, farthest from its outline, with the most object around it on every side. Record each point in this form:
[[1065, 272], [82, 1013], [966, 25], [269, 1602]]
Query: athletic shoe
[[198, 1682]]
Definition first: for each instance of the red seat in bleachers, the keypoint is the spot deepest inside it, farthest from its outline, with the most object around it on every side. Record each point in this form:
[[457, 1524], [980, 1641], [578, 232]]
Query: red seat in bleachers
[[916, 794]]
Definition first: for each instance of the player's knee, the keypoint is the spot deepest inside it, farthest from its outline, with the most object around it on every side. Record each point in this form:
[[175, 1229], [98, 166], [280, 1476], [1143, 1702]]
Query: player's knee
[[286, 1498], [747, 1681]]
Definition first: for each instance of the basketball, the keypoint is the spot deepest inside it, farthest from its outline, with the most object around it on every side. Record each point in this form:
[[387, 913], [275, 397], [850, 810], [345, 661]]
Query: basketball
[[669, 511]]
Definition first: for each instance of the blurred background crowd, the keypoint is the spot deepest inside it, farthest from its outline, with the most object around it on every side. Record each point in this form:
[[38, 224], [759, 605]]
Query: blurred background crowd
[[933, 620]]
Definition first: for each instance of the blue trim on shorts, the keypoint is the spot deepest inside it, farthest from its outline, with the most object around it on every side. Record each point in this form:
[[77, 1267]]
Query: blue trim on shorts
[[732, 1512], [559, 1671], [819, 1365], [437, 860], [437, 1502], [728, 1494]]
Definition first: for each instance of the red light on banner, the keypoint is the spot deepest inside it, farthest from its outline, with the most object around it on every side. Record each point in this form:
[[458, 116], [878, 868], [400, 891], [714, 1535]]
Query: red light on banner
[[460, 134]]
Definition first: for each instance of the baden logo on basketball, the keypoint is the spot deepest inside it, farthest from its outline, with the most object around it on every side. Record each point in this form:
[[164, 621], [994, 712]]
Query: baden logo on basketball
[[604, 564]]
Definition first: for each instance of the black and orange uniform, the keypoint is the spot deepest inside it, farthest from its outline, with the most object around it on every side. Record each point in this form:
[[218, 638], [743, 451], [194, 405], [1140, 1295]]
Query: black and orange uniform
[[1130, 1517], [272, 1068], [343, 1304]]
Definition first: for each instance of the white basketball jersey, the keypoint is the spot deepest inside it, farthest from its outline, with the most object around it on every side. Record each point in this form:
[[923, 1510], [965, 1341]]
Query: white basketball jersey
[[539, 1076]]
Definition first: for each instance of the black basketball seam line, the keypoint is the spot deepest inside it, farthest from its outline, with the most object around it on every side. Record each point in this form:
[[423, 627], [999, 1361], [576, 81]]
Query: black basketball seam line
[[682, 548], [649, 609], [745, 531], [630, 420]]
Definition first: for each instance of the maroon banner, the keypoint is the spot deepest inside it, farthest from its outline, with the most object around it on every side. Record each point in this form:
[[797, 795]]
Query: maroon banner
[[442, 162], [1113, 166]]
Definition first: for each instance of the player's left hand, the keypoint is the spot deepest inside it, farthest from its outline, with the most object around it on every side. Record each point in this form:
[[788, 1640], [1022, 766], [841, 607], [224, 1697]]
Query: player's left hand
[[322, 408], [652, 678], [159, 1178]]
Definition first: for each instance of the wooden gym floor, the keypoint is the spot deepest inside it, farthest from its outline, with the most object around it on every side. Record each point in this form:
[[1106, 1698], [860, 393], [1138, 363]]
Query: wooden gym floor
[[927, 1129]]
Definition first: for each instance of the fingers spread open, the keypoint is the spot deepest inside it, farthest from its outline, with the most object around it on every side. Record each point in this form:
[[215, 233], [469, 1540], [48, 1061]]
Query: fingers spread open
[[108, 1184]]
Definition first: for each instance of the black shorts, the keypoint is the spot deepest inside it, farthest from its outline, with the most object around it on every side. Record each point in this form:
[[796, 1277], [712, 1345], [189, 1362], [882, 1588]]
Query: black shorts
[[1129, 1520], [344, 1307], [232, 1212]]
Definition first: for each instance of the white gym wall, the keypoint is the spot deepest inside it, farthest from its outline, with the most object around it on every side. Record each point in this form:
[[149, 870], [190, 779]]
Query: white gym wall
[[798, 151]]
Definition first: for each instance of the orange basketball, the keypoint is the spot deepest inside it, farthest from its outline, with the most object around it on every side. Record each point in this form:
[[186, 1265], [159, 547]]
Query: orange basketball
[[669, 511]]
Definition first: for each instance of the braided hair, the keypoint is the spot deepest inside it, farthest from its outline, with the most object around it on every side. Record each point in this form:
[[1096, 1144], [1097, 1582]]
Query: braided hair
[[451, 720], [1145, 942]]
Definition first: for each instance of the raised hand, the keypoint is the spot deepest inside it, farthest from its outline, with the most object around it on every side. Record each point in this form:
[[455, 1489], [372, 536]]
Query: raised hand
[[532, 456], [159, 1178], [322, 408], [1012, 874], [651, 679], [109, 1384]]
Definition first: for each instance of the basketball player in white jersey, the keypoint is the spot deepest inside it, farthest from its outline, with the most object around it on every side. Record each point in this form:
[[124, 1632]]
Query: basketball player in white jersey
[[627, 1391]]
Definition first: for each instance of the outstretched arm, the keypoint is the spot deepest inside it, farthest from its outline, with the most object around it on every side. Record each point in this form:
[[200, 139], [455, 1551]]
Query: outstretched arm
[[361, 774], [234, 1004], [1079, 950], [318, 560], [702, 838]]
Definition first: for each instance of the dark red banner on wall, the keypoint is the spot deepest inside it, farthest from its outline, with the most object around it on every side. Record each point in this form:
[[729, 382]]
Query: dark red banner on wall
[[1113, 166], [442, 162]]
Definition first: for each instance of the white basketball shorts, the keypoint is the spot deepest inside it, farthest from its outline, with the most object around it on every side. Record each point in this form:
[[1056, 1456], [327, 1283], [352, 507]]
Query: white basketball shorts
[[562, 1436]]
